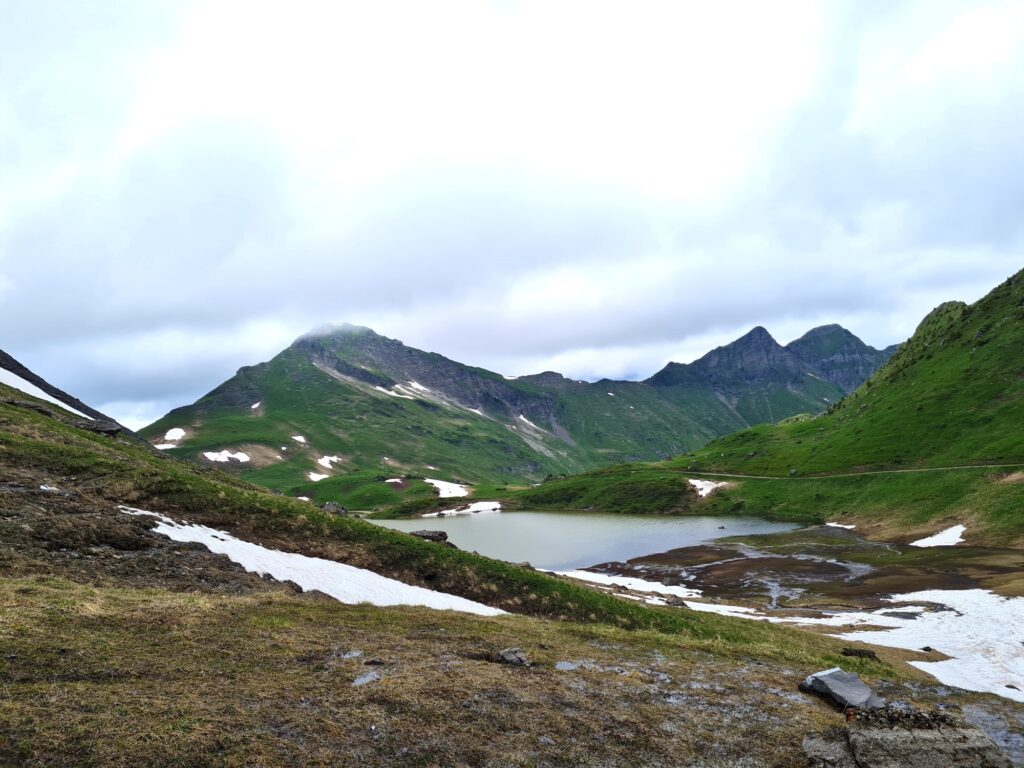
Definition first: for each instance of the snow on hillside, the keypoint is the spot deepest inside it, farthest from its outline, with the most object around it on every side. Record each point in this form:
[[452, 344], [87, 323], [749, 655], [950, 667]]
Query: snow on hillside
[[946, 538], [13, 380], [344, 583], [704, 487], [448, 490], [226, 455], [472, 509]]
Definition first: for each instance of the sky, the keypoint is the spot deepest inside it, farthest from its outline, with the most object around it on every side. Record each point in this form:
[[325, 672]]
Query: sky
[[590, 187]]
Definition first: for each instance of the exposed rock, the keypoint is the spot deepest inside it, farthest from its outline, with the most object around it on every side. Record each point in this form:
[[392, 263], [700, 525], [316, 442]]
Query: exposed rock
[[892, 738], [30, 406], [861, 653], [844, 689], [334, 508], [107, 428], [513, 656], [439, 536]]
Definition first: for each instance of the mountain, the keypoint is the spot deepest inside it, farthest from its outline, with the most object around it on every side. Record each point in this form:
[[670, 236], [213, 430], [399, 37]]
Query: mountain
[[128, 581], [755, 380], [366, 405], [932, 439], [840, 356]]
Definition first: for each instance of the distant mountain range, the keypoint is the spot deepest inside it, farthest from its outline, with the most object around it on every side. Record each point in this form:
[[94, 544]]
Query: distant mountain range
[[364, 403], [931, 440]]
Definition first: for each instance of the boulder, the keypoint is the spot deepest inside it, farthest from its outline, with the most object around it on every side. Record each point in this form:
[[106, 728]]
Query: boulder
[[844, 689], [107, 428], [334, 508], [30, 406], [513, 656], [891, 738], [438, 536]]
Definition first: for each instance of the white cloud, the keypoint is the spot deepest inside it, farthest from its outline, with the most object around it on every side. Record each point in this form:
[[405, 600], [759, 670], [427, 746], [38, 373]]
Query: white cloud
[[593, 187]]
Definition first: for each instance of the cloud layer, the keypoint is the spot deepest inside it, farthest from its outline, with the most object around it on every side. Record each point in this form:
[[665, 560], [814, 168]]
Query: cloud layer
[[591, 187]]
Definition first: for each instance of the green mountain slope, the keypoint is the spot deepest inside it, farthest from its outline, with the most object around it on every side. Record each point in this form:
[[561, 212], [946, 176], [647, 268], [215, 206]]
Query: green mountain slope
[[933, 438], [371, 409], [952, 395], [122, 647]]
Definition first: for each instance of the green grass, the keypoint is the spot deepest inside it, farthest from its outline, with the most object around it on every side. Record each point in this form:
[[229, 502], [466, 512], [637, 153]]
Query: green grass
[[582, 426], [953, 396]]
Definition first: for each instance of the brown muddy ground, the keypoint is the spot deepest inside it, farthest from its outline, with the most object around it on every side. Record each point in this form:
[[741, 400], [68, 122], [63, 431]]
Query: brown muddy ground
[[825, 567]]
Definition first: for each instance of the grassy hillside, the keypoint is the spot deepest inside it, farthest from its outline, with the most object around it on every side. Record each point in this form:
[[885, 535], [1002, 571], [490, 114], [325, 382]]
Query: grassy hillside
[[387, 410], [951, 397], [122, 648]]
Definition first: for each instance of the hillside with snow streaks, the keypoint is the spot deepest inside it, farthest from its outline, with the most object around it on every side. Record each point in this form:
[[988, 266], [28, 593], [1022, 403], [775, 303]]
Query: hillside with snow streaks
[[344, 583]]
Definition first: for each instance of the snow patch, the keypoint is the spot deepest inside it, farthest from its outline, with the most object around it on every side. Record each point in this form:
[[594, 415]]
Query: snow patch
[[393, 480], [475, 508], [629, 582], [316, 478], [394, 394], [326, 461], [256, 405], [344, 583], [530, 423], [418, 387], [174, 434], [611, 394], [165, 446], [298, 439], [448, 490], [13, 380], [704, 487], [303, 498], [736, 611], [226, 455], [840, 525], [946, 538]]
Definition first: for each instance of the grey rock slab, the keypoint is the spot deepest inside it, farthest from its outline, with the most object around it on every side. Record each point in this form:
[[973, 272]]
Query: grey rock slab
[[513, 656], [844, 689]]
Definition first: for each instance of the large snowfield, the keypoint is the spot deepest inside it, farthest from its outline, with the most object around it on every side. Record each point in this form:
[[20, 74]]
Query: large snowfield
[[344, 583]]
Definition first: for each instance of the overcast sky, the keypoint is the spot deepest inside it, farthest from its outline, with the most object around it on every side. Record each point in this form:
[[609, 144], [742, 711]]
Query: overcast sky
[[591, 187]]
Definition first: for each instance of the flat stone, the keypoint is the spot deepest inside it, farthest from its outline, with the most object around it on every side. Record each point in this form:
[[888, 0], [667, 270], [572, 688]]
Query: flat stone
[[513, 656], [844, 689]]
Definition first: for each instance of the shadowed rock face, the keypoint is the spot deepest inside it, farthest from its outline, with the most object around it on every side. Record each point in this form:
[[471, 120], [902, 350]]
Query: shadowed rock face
[[10, 364], [920, 742], [839, 356]]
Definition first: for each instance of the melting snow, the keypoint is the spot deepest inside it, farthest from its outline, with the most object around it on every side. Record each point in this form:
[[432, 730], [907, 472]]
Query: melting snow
[[394, 394], [448, 490], [256, 405], [946, 538], [13, 380], [704, 487], [303, 498], [840, 525], [474, 508], [316, 478], [226, 455], [299, 439], [165, 446], [611, 394], [393, 480], [628, 582], [174, 435], [523, 418], [344, 583], [418, 386], [326, 461]]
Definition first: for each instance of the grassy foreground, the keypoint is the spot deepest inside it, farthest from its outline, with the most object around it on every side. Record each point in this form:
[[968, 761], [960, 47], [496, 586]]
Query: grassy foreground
[[123, 649]]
